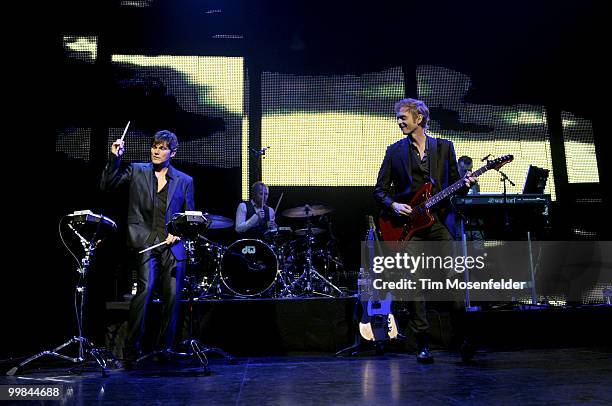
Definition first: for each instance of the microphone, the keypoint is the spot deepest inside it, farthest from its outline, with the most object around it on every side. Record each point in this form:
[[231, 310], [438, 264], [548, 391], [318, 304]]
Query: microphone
[[485, 158], [259, 152]]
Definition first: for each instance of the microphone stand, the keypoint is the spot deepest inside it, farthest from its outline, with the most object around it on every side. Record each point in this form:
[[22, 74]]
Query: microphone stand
[[504, 179]]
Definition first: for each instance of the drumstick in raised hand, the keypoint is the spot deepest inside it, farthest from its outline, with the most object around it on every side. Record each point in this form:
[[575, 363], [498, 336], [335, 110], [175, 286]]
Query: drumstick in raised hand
[[125, 131], [278, 203], [153, 247]]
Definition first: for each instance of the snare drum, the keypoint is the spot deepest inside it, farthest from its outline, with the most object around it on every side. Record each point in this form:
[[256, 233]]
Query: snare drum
[[249, 267]]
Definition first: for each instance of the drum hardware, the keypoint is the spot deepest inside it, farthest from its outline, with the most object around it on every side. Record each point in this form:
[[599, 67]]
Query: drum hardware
[[90, 229], [310, 275], [194, 225], [304, 231], [278, 234], [190, 226], [215, 284]]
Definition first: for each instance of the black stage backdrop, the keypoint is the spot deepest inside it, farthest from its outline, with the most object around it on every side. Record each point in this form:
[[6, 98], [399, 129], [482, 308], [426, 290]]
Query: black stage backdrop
[[316, 83]]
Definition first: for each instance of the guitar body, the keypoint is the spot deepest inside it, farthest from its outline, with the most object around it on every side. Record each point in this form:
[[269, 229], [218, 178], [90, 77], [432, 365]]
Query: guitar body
[[402, 228], [377, 322]]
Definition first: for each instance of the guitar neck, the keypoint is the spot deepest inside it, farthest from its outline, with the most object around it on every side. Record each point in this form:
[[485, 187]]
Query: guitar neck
[[452, 189]]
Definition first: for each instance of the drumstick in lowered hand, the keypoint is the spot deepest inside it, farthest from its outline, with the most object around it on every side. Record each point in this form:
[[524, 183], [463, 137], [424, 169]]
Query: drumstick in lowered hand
[[153, 247]]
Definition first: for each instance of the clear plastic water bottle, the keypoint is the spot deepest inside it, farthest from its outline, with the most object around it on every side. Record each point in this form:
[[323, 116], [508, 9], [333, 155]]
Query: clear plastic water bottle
[[361, 283], [607, 296]]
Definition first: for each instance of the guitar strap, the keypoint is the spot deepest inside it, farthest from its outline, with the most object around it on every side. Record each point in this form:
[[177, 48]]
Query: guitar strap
[[432, 157], [407, 156]]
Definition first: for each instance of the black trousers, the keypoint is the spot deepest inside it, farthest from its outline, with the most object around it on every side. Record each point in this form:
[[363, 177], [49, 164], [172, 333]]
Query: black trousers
[[417, 319], [158, 265]]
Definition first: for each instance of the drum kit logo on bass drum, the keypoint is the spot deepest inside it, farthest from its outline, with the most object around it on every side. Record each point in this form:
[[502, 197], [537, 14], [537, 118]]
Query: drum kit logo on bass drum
[[284, 264]]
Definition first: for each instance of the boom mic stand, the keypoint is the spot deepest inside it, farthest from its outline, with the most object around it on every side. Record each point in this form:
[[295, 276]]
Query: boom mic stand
[[86, 349], [532, 267], [504, 179]]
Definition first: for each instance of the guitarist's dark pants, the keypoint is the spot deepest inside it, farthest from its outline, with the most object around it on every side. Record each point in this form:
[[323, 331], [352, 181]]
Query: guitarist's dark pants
[[418, 311]]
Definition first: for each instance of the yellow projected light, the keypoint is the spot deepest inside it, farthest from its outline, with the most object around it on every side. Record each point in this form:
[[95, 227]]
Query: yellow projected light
[[580, 156], [334, 130], [328, 149], [221, 79], [82, 47], [525, 153], [325, 149], [244, 170], [207, 86]]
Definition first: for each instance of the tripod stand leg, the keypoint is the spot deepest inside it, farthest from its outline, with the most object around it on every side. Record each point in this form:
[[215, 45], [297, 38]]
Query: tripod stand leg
[[321, 278], [97, 354], [286, 287], [362, 347], [51, 353], [86, 348], [195, 347]]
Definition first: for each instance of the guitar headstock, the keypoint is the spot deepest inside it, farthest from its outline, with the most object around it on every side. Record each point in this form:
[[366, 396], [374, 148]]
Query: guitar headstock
[[499, 161], [371, 233]]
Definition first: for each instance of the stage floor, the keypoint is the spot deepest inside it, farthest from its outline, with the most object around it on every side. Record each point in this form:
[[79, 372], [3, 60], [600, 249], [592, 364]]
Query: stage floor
[[559, 376]]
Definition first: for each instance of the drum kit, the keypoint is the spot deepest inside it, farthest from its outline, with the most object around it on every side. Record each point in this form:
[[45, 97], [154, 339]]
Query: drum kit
[[284, 263]]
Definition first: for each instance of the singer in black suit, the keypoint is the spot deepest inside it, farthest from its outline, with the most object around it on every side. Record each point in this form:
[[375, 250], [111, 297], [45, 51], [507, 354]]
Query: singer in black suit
[[157, 191], [408, 164]]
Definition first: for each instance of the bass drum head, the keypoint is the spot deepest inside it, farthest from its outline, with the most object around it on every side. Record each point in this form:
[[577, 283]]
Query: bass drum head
[[249, 267]]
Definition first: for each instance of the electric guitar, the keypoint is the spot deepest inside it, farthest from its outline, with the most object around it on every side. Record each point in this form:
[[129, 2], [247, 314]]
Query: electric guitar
[[377, 322], [401, 228]]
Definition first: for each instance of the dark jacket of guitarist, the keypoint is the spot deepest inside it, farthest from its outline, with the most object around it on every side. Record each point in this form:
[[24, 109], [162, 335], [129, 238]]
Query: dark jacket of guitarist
[[404, 171]]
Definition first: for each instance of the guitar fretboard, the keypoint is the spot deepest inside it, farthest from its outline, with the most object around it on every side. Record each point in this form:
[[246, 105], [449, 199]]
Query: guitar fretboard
[[438, 197]]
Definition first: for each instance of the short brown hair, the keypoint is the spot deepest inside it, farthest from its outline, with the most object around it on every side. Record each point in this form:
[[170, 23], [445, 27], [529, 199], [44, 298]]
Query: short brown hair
[[166, 137], [416, 107]]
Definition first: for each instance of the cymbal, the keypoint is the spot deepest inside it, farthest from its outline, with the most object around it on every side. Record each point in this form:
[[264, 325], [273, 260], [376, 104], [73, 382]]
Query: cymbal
[[217, 221], [307, 211], [313, 231]]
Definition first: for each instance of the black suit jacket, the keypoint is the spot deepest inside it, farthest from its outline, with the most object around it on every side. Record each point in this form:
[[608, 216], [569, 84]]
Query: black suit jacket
[[140, 179], [394, 182]]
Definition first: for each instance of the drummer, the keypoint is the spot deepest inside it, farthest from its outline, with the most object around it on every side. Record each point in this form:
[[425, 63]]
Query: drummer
[[254, 218]]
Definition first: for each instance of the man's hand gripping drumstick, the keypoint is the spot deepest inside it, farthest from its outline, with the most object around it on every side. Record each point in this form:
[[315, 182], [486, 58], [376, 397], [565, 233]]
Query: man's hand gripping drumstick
[[170, 240], [117, 148]]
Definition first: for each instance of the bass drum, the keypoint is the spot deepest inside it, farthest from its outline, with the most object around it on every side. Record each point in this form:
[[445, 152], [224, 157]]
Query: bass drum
[[249, 267]]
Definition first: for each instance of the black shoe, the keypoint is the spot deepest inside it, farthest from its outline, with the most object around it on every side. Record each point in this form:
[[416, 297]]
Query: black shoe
[[128, 364], [467, 351], [130, 356], [129, 359], [424, 356]]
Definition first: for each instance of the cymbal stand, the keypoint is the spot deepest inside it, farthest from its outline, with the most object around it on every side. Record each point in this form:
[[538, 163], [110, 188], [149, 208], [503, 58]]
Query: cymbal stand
[[310, 273], [281, 276], [86, 349], [331, 248], [194, 348]]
